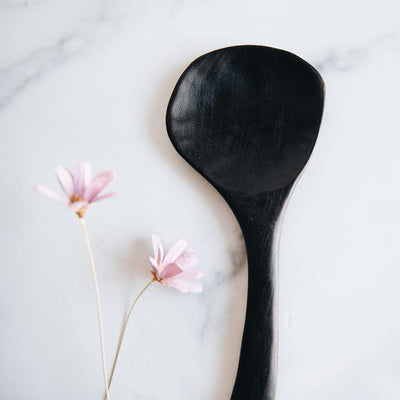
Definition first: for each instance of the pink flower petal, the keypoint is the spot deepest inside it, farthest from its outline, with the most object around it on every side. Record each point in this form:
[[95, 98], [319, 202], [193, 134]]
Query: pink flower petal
[[176, 250], [104, 196], [66, 180], [186, 285], [181, 287], [82, 178], [50, 193], [154, 264], [188, 259], [98, 184], [157, 249], [170, 271], [189, 275]]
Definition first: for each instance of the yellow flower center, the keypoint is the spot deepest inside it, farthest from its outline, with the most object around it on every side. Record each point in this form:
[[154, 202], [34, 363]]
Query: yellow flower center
[[75, 197]]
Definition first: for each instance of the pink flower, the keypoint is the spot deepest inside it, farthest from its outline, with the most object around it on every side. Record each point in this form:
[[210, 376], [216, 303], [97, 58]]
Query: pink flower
[[81, 190], [174, 269]]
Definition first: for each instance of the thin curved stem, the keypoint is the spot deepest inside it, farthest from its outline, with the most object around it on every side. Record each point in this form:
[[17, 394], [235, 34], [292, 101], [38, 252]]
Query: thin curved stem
[[124, 328], [103, 358]]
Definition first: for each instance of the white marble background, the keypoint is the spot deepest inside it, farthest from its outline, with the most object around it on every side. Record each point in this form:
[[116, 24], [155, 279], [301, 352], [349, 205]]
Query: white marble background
[[90, 80]]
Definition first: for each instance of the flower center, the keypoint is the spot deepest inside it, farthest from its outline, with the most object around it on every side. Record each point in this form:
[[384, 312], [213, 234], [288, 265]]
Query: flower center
[[75, 197], [156, 277]]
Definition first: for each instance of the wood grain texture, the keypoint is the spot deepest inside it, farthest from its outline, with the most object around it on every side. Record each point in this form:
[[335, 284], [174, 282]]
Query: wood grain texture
[[247, 118]]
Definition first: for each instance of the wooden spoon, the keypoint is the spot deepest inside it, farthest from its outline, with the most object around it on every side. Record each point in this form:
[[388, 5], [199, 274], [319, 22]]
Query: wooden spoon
[[247, 118]]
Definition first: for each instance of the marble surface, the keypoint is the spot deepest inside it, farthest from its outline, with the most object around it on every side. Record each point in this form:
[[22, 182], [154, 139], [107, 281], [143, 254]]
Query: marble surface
[[90, 80]]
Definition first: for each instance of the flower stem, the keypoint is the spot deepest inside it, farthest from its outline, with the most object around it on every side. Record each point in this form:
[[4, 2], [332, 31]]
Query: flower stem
[[124, 328], [103, 358]]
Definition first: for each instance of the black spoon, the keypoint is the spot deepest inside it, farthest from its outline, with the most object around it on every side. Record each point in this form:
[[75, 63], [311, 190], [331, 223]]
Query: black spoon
[[247, 118]]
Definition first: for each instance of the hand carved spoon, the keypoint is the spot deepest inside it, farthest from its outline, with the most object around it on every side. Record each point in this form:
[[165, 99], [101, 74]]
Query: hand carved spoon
[[247, 118]]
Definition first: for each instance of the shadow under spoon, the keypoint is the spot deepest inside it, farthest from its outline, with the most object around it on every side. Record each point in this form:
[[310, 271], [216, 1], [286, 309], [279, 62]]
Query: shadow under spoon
[[247, 118]]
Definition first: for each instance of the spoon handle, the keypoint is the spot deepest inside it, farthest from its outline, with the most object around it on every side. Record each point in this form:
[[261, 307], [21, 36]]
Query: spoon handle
[[259, 220]]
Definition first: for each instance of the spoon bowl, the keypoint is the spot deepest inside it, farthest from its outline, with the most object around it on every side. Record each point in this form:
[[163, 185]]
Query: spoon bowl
[[247, 119]]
